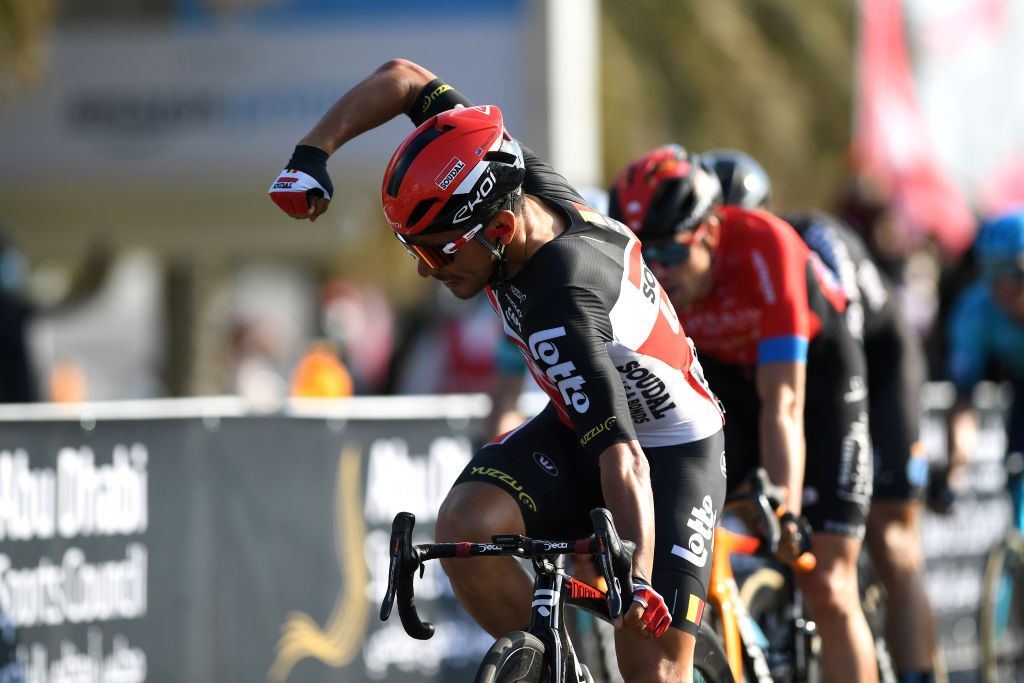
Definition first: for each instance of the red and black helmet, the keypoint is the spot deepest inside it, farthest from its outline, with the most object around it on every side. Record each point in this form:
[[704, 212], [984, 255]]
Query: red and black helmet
[[457, 169], [664, 192]]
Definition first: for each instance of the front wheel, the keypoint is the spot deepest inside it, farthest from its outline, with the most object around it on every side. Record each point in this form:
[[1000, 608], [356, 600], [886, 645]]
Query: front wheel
[[710, 664], [1002, 614], [514, 658]]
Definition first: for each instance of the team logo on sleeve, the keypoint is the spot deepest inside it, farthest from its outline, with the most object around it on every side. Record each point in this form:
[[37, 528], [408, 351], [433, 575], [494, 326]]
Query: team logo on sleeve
[[561, 373]]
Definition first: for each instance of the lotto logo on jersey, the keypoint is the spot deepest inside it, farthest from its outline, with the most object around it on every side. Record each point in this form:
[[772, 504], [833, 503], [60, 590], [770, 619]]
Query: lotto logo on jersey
[[561, 373], [702, 521]]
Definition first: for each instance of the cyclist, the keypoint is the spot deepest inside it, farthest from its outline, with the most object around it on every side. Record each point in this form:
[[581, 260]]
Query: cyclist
[[767, 317], [895, 362], [630, 424], [987, 324]]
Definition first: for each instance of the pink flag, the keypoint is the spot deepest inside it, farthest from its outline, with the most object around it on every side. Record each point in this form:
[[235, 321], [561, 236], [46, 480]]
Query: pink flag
[[891, 137]]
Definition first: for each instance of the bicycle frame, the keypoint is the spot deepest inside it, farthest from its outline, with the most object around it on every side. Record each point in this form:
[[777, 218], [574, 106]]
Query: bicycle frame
[[553, 587], [724, 596], [552, 590], [723, 592]]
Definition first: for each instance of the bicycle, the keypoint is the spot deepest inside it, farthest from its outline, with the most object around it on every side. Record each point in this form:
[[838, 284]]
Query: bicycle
[[544, 652], [1001, 619], [764, 633]]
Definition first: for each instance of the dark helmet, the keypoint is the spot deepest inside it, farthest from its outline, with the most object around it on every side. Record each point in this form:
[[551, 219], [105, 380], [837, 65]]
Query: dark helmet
[[455, 170], [665, 191], [744, 181], [1001, 241]]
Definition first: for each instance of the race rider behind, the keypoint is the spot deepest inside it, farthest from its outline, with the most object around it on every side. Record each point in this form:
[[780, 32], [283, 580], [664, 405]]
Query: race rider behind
[[986, 326], [896, 371], [630, 424], [767, 317]]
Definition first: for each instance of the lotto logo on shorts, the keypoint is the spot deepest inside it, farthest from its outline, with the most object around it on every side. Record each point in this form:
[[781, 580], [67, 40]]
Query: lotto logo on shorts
[[702, 522], [695, 610]]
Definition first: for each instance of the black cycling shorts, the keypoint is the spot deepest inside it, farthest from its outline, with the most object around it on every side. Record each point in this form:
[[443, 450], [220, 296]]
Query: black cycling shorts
[[1015, 419], [838, 471], [543, 467], [896, 371]]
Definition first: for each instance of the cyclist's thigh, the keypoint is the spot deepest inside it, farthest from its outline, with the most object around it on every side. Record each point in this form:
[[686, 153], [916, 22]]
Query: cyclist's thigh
[[838, 475], [895, 376], [549, 475], [688, 482]]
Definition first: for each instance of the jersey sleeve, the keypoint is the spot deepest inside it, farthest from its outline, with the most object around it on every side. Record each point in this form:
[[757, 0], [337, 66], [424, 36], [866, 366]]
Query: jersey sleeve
[[968, 347], [779, 266], [568, 342]]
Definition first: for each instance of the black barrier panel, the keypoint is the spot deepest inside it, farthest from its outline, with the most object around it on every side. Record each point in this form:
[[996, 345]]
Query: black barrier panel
[[236, 549], [956, 545]]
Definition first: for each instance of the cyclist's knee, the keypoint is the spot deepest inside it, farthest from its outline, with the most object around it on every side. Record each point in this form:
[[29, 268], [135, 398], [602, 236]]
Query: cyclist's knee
[[475, 511], [894, 539], [654, 661], [830, 590]]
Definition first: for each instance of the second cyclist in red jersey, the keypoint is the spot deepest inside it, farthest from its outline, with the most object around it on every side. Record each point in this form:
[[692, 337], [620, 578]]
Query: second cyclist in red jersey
[[766, 316]]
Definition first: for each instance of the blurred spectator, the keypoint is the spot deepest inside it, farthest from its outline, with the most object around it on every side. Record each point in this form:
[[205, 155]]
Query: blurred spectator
[[910, 258], [451, 349], [359, 321], [254, 362], [321, 374], [67, 383], [17, 384]]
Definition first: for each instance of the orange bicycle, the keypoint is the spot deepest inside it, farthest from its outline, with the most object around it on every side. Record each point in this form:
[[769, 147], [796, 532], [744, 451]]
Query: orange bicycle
[[763, 630]]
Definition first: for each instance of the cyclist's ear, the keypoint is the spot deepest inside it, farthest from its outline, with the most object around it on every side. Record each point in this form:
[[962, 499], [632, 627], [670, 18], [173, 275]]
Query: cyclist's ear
[[712, 232], [502, 228]]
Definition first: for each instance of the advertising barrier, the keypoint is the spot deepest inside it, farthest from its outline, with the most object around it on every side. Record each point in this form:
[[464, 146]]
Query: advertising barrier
[[224, 547], [192, 541]]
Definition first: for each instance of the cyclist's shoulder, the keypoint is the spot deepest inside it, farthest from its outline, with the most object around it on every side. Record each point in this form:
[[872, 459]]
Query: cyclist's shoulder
[[746, 229]]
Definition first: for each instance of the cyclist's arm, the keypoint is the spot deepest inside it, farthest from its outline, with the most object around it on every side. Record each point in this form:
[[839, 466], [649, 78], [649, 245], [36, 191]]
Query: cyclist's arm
[[781, 387], [388, 92], [626, 484], [961, 436], [779, 266], [967, 333]]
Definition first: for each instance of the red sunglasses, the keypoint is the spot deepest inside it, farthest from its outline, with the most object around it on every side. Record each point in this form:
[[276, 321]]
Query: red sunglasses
[[437, 257]]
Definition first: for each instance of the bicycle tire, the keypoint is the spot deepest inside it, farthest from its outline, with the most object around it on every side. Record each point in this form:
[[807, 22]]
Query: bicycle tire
[[765, 594], [1001, 628], [517, 657], [710, 663]]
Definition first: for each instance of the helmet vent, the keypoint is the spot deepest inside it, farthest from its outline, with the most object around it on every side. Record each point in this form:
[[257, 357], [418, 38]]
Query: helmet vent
[[420, 211], [501, 157], [416, 145]]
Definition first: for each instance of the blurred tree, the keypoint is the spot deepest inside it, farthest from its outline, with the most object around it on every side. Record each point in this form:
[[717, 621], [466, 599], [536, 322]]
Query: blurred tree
[[771, 77], [22, 26]]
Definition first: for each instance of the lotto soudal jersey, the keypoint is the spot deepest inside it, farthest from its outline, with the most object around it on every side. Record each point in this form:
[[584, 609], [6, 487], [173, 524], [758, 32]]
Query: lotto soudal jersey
[[596, 329], [772, 296]]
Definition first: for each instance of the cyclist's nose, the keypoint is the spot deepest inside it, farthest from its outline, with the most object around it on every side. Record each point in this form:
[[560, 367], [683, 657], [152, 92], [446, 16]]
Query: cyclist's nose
[[423, 270]]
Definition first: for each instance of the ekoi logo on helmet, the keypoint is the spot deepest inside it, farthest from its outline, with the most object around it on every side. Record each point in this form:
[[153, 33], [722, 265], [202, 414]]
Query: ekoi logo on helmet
[[485, 189]]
